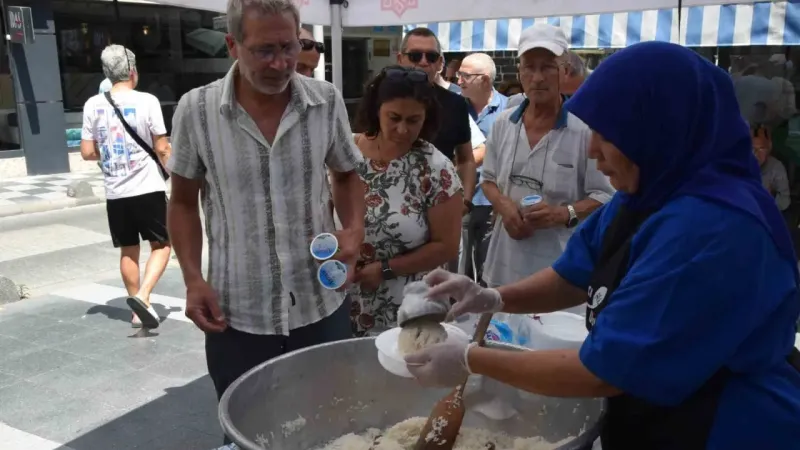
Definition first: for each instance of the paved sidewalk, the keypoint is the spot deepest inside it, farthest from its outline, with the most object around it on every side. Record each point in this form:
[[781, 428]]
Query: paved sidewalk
[[47, 192], [75, 376]]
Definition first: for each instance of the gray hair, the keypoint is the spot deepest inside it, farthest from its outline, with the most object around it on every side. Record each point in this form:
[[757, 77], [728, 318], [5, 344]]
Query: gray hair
[[486, 62], [575, 65], [236, 10], [118, 63]]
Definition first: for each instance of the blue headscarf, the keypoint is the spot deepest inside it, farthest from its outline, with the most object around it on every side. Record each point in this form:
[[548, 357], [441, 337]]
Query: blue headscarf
[[675, 115]]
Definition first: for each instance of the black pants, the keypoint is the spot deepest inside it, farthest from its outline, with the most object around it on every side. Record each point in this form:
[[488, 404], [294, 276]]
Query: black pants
[[477, 231], [232, 353]]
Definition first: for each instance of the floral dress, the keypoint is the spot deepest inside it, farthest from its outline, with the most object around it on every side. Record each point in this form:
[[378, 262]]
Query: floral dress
[[397, 196]]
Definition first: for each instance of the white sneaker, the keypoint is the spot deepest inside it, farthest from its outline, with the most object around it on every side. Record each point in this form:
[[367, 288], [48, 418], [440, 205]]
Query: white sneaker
[[147, 314]]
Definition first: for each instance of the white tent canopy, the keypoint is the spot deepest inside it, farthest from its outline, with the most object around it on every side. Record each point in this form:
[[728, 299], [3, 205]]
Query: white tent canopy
[[400, 12], [359, 13], [356, 13]]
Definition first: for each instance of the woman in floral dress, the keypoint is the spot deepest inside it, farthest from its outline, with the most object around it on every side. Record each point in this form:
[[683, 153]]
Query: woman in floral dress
[[412, 192]]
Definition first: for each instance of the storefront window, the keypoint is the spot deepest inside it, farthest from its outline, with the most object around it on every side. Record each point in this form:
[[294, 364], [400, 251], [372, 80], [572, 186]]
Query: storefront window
[[176, 49]]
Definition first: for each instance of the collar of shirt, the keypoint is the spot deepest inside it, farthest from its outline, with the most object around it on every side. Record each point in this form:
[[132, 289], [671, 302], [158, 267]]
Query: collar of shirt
[[302, 97], [561, 120], [486, 118]]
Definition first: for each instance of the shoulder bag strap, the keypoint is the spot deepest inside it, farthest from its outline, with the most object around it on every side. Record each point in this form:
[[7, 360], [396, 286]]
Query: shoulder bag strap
[[132, 133]]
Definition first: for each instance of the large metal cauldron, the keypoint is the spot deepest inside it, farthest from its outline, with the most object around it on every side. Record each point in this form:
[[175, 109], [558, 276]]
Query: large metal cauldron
[[307, 398]]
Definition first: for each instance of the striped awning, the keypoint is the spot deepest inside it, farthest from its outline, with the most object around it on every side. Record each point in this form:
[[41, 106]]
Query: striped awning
[[763, 23]]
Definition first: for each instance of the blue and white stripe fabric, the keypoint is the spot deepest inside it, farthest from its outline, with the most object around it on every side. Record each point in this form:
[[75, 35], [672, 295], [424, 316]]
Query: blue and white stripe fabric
[[763, 23]]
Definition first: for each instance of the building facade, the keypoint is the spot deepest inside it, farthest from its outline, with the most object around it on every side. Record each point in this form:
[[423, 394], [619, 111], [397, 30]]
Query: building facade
[[44, 84]]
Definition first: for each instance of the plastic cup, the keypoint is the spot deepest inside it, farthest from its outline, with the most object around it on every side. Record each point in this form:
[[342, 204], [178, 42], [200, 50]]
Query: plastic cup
[[324, 246], [332, 274], [530, 200]]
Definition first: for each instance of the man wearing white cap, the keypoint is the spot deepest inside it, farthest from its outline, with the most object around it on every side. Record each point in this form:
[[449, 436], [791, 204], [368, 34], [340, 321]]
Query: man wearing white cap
[[572, 76], [538, 149]]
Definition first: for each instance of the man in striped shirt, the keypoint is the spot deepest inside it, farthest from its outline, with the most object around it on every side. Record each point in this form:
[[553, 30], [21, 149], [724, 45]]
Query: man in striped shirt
[[256, 145]]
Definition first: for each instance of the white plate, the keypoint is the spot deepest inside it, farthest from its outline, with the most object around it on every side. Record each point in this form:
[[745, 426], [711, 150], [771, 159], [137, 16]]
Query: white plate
[[391, 359]]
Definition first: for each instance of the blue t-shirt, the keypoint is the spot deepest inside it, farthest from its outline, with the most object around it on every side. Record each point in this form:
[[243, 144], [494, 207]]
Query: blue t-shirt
[[706, 289]]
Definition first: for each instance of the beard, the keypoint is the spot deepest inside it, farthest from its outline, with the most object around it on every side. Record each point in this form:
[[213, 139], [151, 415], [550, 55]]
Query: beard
[[267, 87]]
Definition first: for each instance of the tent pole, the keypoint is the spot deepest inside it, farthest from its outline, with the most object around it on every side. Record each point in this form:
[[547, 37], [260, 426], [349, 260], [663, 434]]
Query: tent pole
[[319, 36], [336, 42]]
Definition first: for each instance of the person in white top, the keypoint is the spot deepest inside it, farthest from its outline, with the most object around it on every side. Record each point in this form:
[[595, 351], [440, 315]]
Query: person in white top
[[136, 200], [538, 149]]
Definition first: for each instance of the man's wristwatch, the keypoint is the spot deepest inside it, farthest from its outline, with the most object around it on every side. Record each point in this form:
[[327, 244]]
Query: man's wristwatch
[[573, 217], [386, 271]]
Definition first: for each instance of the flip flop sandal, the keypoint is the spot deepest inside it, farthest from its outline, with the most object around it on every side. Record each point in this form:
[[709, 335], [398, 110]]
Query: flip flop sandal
[[146, 314]]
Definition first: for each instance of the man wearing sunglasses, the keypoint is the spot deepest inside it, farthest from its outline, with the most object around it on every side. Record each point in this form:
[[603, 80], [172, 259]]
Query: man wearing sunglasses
[[421, 49], [310, 53], [257, 146]]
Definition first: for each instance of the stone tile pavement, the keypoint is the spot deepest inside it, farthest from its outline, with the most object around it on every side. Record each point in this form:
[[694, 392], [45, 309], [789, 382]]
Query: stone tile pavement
[[75, 376], [47, 192]]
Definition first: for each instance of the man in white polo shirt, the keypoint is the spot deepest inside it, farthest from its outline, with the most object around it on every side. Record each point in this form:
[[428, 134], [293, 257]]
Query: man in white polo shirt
[[538, 149], [256, 146]]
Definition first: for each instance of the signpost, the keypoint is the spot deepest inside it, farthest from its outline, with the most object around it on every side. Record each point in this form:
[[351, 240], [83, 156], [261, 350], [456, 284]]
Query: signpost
[[20, 25]]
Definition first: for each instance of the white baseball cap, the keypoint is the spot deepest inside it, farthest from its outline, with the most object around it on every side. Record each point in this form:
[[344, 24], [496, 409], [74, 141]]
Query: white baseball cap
[[542, 35]]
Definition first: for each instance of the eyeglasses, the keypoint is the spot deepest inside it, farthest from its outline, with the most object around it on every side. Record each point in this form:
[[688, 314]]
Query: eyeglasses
[[416, 56], [399, 72], [269, 53], [468, 76], [308, 44], [522, 180], [530, 183]]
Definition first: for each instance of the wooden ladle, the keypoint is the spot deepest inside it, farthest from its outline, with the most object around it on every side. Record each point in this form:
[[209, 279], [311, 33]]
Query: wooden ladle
[[444, 423]]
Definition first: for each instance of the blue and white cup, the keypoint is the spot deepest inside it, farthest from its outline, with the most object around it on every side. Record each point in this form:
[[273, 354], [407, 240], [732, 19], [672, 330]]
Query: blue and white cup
[[332, 274], [530, 200], [324, 246]]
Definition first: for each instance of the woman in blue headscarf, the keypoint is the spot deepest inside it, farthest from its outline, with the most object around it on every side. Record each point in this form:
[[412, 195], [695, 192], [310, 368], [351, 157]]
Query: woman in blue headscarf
[[690, 272]]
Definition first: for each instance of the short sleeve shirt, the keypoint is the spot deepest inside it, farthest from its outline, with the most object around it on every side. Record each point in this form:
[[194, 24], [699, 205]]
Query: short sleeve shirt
[[264, 203], [706, 288], [128, 170], [455, 128], [398, 196]]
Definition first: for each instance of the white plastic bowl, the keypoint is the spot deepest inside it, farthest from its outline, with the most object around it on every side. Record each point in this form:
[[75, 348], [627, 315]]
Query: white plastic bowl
[[391, 359], [557, 330]]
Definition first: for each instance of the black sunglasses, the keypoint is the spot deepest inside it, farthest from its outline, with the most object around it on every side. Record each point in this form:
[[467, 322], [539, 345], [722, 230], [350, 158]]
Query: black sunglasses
[[308, 44], [415, 56], [399, 72]]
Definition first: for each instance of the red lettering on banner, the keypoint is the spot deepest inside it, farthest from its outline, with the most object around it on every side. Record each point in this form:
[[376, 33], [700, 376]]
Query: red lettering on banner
[[399, 7]]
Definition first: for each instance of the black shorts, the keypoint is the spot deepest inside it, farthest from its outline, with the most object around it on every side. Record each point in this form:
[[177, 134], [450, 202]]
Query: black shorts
[[144, 215]]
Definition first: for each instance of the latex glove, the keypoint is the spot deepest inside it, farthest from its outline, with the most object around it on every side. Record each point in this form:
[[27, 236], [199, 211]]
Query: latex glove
[[440, 365], [470, 296], [417, 303]]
